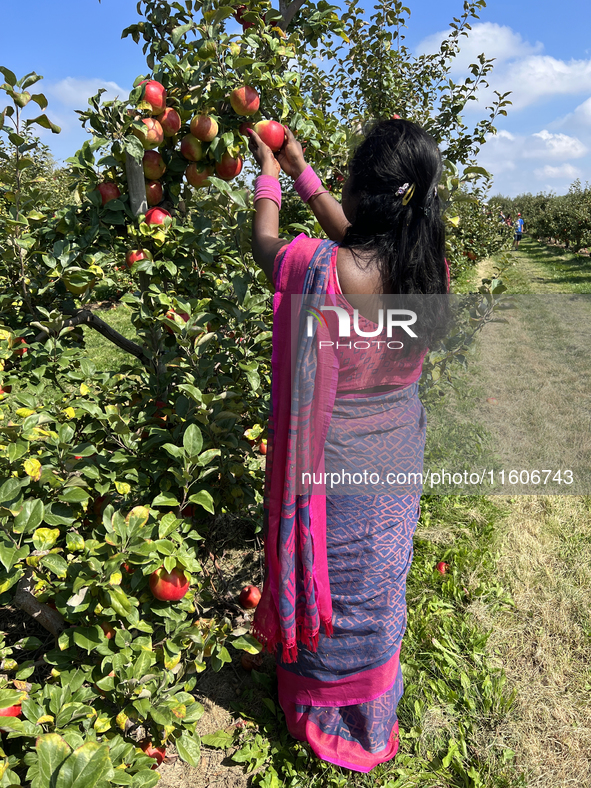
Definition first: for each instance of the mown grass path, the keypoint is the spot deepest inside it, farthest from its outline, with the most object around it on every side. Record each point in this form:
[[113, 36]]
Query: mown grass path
[[544, 544]]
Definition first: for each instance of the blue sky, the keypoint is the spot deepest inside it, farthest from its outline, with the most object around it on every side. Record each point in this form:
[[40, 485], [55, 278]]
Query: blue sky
[[543, 55]]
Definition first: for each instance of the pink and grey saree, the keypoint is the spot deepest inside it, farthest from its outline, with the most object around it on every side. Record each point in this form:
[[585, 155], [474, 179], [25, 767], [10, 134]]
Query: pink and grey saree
[[333, 608]]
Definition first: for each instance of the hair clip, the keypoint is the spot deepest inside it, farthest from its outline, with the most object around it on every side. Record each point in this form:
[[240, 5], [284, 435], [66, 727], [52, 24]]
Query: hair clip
[[408, 196], [402, 189]]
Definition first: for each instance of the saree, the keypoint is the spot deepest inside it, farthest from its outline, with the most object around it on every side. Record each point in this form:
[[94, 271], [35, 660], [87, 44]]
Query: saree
[[348, 556]]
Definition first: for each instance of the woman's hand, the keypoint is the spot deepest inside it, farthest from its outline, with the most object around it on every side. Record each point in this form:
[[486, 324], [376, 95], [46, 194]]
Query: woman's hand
[[291, 155], [263, 155]]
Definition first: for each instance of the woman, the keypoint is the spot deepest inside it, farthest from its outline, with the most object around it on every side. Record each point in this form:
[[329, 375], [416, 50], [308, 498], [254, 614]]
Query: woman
[[333, 608]]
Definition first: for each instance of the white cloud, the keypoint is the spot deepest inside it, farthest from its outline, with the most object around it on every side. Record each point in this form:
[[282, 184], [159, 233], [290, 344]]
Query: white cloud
[[546, 145], [519, 68], [564, 171], [497, 41], [73, 92]]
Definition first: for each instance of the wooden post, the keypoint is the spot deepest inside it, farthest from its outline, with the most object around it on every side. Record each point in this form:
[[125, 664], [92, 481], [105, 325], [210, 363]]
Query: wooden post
[[137, 185]]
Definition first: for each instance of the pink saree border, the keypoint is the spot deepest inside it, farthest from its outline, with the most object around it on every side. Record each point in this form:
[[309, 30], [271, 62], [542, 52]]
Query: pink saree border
[[368, 685]]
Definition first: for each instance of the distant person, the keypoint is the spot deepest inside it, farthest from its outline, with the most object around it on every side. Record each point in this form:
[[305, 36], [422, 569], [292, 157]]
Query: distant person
[[518, 231], [509, 220]]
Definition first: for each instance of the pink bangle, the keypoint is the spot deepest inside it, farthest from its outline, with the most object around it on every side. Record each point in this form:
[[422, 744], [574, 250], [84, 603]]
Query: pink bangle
[[267, 187], [307, 184]]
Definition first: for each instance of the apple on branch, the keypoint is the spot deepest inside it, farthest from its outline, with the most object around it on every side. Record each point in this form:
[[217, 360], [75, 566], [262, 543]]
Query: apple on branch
[[271, 133], [135, 255], [204, 128], [170, 120], [151, 136], [154, 192], [169, 586], [228, 167], [155, 95], [154, 166], [196, 177], [191, 148], [108, 192], [245, 100], [157, 216]]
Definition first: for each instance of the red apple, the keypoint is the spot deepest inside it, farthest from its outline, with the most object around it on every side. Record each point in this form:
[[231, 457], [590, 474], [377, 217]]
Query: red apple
[[155, 95], [169, 586], [263, 447], [157, 216], [228, 167], [191, 148], [242, 128], [492, 401], [20, 351], [170, 120], [158, 753], [154, 192], [108, 629], [135, 255], [128, 568], [154, 166], [198, 178], [152, 135], [395, 117], [170, 315], [204, 128], [249, 597], [271, 133], [108, 191], [238, 17], [11, 711], [442, 567], [245, 100]]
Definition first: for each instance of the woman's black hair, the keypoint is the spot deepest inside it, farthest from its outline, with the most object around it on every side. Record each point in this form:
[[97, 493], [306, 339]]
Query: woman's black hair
[[406, 236]]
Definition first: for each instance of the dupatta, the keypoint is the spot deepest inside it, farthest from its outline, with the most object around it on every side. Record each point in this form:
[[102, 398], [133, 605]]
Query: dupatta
[[296, 592]]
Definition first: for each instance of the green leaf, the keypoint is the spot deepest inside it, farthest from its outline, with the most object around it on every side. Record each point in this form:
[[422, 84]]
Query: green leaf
[[192, 440], [43, 120], [165, 499], [9, 76], [74, 495], [56, 564], [204, 499], [247, 643], [88, 766], [88, 638], [45, 538], [52, 751], [220, 740], [179, 32], [189, 748], [29, 517]]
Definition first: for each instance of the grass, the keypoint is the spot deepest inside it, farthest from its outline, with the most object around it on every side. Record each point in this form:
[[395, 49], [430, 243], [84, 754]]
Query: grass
[[106, 356]]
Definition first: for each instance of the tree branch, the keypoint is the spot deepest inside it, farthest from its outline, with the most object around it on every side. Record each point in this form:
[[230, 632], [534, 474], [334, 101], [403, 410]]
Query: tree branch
[[88, 318], [288, 11], [24, 600]]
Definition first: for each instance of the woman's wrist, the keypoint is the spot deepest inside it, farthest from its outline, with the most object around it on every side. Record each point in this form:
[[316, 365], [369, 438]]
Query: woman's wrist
[[269, 170], [298, 169]]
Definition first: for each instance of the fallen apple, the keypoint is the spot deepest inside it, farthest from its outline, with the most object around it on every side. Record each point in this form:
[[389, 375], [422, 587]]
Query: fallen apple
[[249, 597], [108, 629], [442, 567], [11, 711], [492, 401], [271, 133], [169, 586], [108, 192], [158, 753]]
